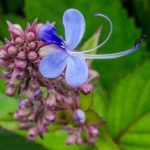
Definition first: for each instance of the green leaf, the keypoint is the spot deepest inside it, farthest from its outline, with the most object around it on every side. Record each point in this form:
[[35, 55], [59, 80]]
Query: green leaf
[[92, 41], [105, 142], [7, 105], [129, 112], [9, 141]]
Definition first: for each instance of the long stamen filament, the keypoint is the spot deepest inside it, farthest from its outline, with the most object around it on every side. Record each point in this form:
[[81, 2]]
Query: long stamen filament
[[110, 32], [109, 56]]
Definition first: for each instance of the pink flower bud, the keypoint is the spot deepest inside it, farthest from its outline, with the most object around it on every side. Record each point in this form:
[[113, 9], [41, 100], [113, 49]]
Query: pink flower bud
[[25, 125], [71, 139], [10, 91], [3, 54], [20, 75], [32, 55], [31, 36], [50, 102], [86, 88], [19, 40], [32, 45], [50, 116], [32, 132], [21, 55], [21, 64], [5, 73], [79, 140], [93, 131], [23, 112], [12, 50]]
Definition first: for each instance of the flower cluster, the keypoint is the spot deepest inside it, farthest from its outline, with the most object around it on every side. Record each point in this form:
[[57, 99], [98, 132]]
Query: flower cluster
[[48, 76]]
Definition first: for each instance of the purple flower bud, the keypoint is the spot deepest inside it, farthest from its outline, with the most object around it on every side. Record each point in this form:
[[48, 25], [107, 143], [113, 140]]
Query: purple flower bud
[[71, 139], [37, 94], [25, 125], [20, 75], [50, 116], [10, 91], [79, 116], [3, 54], [32, 55], [21, 64], [21, 55], [32, 132], [93, 131], [5, 73], [32, 45], [19, 41], [86, 88], [50, 102], [12, 50], [79, 140], [31, 36], [23, 112]]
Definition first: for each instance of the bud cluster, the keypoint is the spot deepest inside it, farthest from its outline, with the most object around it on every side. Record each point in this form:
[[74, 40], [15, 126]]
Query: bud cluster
[[41, 101]]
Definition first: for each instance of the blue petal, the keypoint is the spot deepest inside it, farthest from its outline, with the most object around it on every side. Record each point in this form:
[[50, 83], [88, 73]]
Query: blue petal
[[74, 24], [52, 65], [48, 34], [76, 71]]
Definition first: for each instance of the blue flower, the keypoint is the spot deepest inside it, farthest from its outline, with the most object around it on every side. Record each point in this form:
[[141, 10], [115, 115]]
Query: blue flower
[[63, 57]]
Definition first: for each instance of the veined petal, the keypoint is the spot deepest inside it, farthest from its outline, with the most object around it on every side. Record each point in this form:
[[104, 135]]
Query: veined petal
[[52, 65], [74, 24], [76, 71]]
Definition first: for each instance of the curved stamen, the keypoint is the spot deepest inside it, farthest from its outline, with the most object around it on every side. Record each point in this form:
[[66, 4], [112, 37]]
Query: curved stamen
[[100, 45], [109, 56]]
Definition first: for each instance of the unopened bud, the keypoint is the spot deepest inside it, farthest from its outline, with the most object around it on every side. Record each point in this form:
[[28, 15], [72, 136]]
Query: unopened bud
[[71, 139], [37, 94], [21, 64], [5, 73], [50, 116], [32, 45], [23, 112], [22, 55], [31, 36], [10, 91], [19, 41], [25, 125], [50, 102], [79, 140], [12, 50], [79, 116], [3, 54], [86, 88], [20, 75], [32, 132], [32, 55], [93, 131]]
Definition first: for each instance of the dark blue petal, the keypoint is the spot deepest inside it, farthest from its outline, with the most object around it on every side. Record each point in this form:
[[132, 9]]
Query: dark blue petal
[[48, 34], [52, 65], [76, 71]]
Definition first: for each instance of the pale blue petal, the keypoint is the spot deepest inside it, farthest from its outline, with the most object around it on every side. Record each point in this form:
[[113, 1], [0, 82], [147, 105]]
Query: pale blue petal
[[74, 24], [52, 65], [76, 71]]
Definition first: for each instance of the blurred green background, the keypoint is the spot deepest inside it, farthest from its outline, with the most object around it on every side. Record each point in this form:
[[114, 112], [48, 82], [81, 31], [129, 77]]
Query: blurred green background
[[122, 94]]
